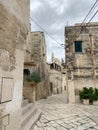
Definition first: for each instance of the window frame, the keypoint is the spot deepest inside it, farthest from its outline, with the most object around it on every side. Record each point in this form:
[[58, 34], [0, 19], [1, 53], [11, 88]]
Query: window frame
[[74, 49]]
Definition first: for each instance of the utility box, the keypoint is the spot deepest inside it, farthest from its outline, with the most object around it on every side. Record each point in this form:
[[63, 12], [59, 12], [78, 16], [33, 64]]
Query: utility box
[[6, 90], [6, 87]]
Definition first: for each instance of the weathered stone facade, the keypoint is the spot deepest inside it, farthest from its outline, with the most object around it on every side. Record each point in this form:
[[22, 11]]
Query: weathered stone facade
[[39, 56], [55, 78], [14, 28], [38, 47], [54, 69], [81, 58], [37, 63], [28, 48]]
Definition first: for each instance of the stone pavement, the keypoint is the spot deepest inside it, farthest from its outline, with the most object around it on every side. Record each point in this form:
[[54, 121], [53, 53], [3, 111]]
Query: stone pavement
[[57, 115]]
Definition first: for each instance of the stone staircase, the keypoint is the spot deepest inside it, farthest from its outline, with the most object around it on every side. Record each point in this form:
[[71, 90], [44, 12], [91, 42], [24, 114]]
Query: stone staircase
[[30, 114]]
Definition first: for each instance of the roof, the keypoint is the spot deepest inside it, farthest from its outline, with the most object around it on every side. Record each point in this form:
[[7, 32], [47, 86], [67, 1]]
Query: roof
[[85, 24]]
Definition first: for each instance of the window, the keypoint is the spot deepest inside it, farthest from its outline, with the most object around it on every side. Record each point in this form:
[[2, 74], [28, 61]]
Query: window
[[78, 46], [26, 72], [51, 66]]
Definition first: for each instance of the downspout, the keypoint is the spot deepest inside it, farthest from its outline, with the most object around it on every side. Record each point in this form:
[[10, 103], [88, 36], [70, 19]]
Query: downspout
[[93, 59], [66, 75]]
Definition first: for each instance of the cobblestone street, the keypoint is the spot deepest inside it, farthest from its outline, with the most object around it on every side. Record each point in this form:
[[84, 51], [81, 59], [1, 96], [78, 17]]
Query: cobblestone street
[[57, 115]]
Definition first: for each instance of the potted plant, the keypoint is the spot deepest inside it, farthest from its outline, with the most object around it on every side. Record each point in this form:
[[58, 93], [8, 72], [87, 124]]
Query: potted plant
[[95, 97], [91, 95], [34, 77], [84, 96]]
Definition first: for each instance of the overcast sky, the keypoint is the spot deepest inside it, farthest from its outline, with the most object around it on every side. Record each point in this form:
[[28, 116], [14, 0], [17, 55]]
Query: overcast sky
[[54, 15]]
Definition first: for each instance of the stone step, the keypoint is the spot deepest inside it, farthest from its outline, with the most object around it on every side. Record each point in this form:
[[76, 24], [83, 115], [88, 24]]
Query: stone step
[[25, 102], [28, 115], [31, 119], [27, 107]]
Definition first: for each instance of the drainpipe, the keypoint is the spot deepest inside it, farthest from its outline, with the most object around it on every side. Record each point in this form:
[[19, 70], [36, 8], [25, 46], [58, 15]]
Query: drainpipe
[[67, 84], [93, 59]]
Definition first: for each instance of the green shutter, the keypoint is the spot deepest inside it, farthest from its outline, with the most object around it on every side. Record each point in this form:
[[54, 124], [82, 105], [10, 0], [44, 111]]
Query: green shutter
[[78, 46]]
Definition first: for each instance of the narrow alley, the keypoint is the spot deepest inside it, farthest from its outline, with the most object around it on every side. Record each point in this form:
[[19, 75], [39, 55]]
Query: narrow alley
[[57, 115]]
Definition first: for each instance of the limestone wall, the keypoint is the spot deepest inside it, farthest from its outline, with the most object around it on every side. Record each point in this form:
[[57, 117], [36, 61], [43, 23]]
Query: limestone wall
[[38, 47], [82, 67], [56, 81], [38, 55], [41, 91], [29, 91], [43, 88], [35, 91], [14, 28], [28, 48]]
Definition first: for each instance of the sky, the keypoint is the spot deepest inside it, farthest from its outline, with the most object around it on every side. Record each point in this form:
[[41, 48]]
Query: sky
[[54, 15]]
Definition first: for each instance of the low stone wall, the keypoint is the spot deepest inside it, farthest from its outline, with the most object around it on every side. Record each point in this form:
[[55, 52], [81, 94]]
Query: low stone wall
[[35, 92], [41, 91], [29, 91]]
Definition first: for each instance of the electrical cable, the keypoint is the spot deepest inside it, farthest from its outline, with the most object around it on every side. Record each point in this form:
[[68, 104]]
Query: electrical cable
[[89, 11], [87, 17], [46, 32], [92, 17], [61, 45]]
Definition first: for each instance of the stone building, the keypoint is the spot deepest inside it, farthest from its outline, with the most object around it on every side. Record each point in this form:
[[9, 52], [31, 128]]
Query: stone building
[[29, 68], [38, 52], [37, 64], [14, 29], [29, 64], [27, 57], [38, 47], [81, 58], [54, 69]]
